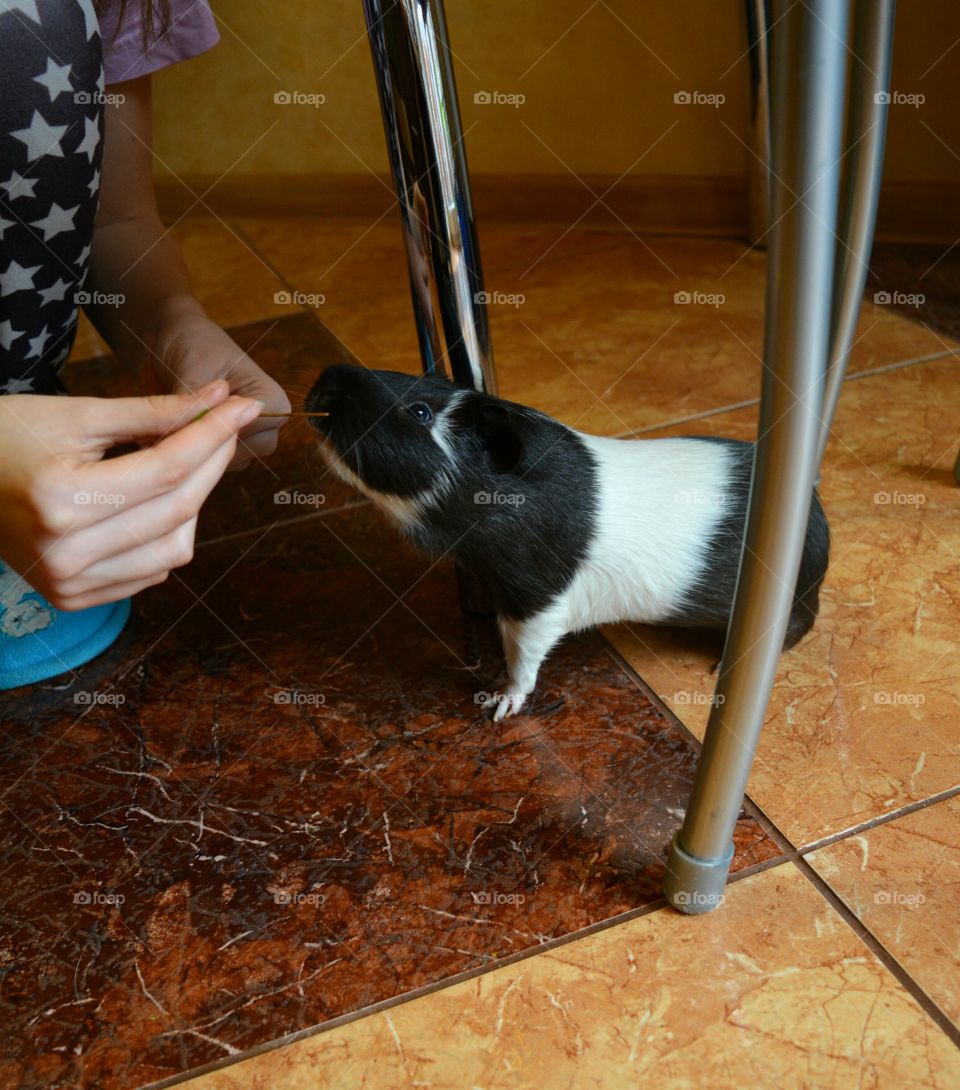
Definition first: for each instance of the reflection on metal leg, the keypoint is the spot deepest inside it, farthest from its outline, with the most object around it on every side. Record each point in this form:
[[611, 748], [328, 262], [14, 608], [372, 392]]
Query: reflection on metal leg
[[411, 57], [758, 172], [809, 56]]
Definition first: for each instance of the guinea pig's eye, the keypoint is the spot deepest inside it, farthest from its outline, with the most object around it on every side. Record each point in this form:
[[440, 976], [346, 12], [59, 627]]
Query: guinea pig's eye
[[420, 412]]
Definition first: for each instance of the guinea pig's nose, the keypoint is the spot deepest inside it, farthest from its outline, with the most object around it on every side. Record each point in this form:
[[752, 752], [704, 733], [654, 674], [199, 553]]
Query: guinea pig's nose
[[322, 393]]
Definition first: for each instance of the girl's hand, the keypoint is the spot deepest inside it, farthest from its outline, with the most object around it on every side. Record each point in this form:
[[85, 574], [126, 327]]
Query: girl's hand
[[84, 530], [193, 350]]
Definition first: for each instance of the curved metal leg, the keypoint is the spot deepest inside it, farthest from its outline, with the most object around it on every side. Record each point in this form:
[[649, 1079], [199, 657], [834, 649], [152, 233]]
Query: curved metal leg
[[418, 98], [866, 133], [809, 57]]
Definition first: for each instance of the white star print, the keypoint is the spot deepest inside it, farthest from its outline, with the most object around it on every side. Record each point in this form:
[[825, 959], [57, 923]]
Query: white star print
[[55, 292], [41, 138], [56, 79], [91, 138], [4, 224], [17, 278], [38, 343], [18, 186], [56, 221], [84, 256], [89, 18], [94, 183], [17, 386], [28, 7], [8, 334]]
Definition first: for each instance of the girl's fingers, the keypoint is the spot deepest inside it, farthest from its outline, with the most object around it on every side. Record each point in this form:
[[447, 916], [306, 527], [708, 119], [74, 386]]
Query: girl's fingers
[[112, 593], [122, 484], [170, 551], [139, 526]]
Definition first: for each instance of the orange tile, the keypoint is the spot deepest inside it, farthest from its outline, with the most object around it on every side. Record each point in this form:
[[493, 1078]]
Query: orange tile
[[902, 879], [587, 329], [863, 718]]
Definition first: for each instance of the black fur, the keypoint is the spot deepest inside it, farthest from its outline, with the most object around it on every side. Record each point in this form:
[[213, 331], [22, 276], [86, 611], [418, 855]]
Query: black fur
[[712, 601], [537, 478]]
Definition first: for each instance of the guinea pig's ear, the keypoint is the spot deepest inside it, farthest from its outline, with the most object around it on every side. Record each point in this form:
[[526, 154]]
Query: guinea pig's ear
[[497, 431]]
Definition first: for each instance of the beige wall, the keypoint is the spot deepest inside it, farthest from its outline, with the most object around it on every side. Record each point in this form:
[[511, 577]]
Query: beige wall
[[599, 84]]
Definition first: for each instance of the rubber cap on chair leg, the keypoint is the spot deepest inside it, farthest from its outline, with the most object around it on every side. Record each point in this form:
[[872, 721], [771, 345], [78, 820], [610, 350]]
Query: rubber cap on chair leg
[[692, 885]]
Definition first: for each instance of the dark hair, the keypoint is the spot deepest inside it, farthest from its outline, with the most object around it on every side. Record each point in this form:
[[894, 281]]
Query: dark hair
[[154, 15]]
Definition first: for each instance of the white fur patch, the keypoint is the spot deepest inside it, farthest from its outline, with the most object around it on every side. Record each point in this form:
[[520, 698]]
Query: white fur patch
[[659, 502], [441, 428], [406, 510]]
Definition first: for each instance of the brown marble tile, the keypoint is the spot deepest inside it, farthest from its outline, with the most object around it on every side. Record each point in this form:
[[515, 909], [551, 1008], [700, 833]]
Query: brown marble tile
[[771, 990], [229, 278], [863, 719], [293, 482], [285, 776], [902, 879], [597, 340]]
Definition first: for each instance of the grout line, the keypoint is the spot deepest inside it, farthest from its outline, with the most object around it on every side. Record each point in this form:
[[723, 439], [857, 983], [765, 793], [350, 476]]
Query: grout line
[[270, 264], [882, 370], [882, 819], [792, 853], [876, 947]]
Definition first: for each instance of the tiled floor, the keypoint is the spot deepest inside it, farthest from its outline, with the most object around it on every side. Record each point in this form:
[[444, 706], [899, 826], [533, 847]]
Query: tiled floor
[[287, 864]]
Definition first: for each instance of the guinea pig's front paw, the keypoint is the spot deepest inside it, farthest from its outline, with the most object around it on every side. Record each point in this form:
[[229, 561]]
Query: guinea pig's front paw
[[509, 703]]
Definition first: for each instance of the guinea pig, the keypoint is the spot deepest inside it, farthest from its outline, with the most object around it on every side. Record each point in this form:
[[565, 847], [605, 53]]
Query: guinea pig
[[568, 530]]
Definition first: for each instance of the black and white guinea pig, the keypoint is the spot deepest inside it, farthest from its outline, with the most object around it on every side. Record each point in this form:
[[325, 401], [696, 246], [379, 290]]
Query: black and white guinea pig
[[568, 530]]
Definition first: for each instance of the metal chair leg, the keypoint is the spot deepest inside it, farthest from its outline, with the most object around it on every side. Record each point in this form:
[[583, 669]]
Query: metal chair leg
[[809, 57], [866, 135], [418, 98]]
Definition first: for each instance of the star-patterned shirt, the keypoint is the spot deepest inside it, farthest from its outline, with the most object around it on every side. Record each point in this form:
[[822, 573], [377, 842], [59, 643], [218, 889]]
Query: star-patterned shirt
[[52, 104], [51, 128]]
